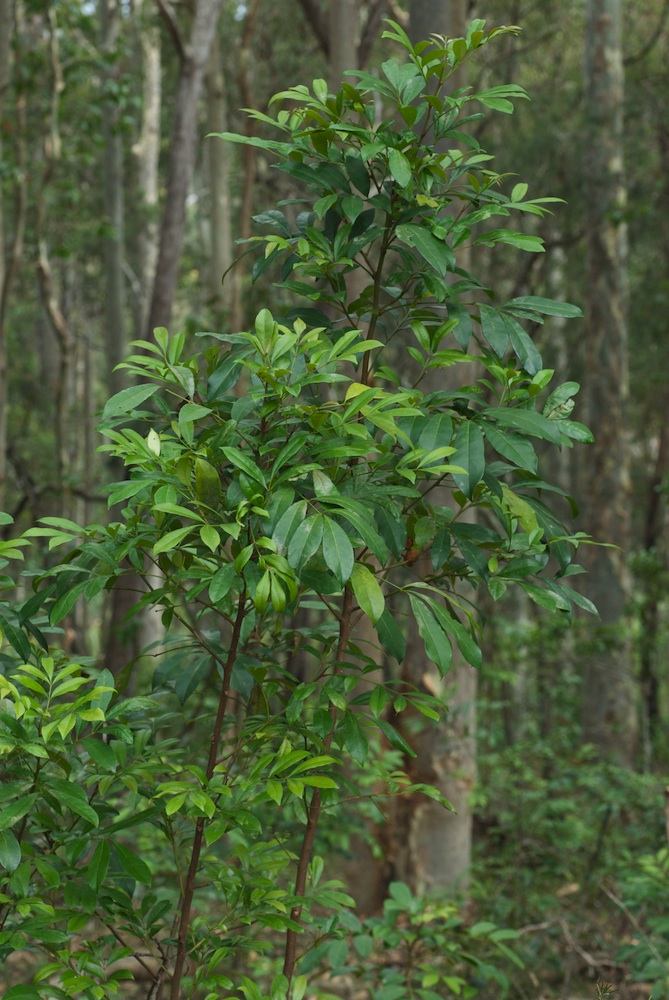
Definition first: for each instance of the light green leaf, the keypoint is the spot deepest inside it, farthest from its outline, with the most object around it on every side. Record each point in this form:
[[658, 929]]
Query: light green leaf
[[399, 167], [127, 400], [171, 540], [367, 592], [210, 537]]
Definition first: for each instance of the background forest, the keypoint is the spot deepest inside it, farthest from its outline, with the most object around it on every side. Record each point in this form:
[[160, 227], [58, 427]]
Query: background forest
[[118, 215]]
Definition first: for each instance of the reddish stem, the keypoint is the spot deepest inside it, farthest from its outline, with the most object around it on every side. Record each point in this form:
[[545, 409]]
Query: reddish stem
[[189, 887]]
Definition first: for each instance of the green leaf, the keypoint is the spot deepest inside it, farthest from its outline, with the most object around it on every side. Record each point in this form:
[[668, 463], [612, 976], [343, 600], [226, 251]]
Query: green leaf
[[207, 483], [64, 605], [394, 738], [353, 738], [434, 251], [548, 307], [242, 461], [171, 540], [15, 638], [10, 851], [470, 455], [97, 867], [337, 550], [100, 752], [494, 329], [513, 447], [221, 582], [132, 865], [210, 537], [523, 346], [467, 646], [127, 400], [391, 636], [23, 993], [16, 810], [437, 643], [305, 541], [399, 167], [288, 524], [527, 421], [367, 592], [73, 797]]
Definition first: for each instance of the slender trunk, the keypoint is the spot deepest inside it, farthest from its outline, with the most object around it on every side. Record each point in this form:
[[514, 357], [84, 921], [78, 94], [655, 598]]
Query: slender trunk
[[182, 154], [609, 715]]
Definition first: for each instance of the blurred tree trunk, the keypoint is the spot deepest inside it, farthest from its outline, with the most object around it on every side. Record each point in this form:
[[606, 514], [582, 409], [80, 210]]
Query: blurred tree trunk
[[343, 40], [11, 245], [218, 168], [112, 180], [193, 56], [5, 68], [609, 705], [147, 151]]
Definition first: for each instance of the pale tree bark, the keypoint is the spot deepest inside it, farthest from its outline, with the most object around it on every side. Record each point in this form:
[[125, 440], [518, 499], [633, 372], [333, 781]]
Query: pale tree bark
[[218, 169], [343, 43], [609, 714], [112, 182], [194, 56], [147, 152]]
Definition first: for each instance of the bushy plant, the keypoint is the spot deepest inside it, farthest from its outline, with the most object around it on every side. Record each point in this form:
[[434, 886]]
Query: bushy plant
[[284, 468]]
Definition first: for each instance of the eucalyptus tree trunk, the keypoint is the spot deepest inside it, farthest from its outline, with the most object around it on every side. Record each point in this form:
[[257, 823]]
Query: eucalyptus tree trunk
[[194, 56], [112, 182], [609, 714]]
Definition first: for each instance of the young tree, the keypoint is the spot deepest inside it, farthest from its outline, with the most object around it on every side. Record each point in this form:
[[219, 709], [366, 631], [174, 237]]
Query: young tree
[[318, 487]]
